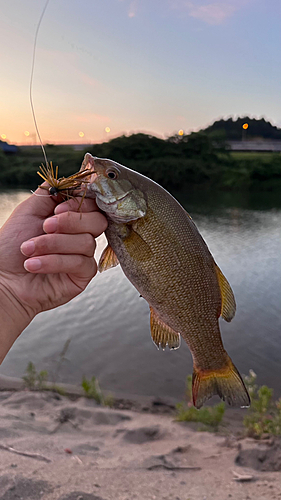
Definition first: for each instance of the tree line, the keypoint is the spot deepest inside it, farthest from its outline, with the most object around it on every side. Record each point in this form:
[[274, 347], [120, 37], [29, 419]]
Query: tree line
[[196, 160]]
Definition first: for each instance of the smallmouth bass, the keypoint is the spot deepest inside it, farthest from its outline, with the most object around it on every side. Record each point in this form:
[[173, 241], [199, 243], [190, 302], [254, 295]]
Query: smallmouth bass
[[163, 255]]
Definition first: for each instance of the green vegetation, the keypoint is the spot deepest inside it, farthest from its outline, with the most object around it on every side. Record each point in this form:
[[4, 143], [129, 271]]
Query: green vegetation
[[20, 170], [210, 416], [92, 391], [200, 159], [264, 415], [34, 380]]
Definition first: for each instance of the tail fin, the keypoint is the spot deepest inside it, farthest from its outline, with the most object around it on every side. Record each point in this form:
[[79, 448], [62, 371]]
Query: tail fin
[[226, 382]]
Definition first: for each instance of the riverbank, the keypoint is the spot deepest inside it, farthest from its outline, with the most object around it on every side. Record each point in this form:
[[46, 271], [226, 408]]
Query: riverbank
[[196, 161], [68, 448]]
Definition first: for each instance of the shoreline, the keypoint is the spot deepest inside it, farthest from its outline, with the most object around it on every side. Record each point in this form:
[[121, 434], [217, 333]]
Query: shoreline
[[232, 421], [55, 447]]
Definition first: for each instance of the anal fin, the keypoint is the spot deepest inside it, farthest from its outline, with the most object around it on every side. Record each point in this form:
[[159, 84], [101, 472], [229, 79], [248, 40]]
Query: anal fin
[[228, 305], [107, 260], [162, 334]]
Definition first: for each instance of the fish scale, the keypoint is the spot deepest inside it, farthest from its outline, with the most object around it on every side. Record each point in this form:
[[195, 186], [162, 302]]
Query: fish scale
[[163, 255]]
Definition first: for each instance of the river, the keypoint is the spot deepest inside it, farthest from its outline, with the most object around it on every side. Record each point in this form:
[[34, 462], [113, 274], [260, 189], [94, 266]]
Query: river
[[106, 328]]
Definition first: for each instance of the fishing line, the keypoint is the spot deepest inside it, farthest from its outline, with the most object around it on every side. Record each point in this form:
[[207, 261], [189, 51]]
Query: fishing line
[[37, 194], [31, 82]]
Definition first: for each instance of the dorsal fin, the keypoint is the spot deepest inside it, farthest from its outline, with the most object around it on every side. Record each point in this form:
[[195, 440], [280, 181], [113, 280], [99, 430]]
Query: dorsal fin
[[228, 304], [162, 334], [108, 259]]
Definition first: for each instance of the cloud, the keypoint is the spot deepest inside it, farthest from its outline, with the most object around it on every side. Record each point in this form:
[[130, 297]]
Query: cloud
[[213, 13], [132, 9]]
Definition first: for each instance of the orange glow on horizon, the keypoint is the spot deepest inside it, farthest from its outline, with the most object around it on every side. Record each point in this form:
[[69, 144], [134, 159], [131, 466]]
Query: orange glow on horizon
[[180, 132], [245, 126], [3, 136]]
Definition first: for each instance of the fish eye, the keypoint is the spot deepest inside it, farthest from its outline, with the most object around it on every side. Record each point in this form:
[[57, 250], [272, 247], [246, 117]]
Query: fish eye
[[112, 174]]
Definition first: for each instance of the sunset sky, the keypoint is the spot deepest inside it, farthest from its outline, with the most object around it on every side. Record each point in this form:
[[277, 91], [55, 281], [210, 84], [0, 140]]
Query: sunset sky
[[154, 66]]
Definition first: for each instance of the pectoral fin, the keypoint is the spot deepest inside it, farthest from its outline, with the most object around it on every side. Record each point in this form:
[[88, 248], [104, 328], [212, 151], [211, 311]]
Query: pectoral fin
[[107, 260], [228, 305], [162, 334], [137, 247]]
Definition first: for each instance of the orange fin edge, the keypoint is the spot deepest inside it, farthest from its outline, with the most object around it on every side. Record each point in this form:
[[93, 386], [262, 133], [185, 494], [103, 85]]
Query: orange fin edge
[[228, 305], [162, 335], [226, 382], [107, 260]]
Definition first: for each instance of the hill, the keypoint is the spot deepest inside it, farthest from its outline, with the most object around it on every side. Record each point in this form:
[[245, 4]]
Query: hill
[[232, 130]]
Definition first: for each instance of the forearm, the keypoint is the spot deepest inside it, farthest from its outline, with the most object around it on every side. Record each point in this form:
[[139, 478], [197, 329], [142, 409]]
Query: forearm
[[13, 320]]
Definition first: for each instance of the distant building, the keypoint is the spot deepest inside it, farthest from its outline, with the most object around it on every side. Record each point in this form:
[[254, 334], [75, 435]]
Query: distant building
[[8, 148], [262, 145]]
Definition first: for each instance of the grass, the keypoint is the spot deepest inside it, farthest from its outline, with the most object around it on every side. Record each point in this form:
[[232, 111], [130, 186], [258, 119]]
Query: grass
[[92, 391], [264, 415], [34, 380], [253, 155], [209, 416]]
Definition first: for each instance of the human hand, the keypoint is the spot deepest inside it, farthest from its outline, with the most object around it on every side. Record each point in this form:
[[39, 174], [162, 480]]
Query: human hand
[[66, 252]]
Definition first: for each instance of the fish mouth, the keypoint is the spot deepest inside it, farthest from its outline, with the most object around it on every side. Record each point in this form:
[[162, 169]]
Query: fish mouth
[[93, 186], [120, 199], [108, 203]]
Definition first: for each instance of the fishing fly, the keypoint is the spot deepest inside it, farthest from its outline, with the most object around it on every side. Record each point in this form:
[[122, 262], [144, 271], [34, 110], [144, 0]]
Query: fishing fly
[[57, 185], [63, 185]]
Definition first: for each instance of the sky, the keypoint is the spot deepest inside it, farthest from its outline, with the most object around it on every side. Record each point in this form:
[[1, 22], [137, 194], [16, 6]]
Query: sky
[[109, 67]]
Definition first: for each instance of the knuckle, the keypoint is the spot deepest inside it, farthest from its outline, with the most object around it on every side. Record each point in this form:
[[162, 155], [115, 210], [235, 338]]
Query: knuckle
[[100, 223], [94, 267], [80, 261], [42, 245], [66, 222], [89, 244]]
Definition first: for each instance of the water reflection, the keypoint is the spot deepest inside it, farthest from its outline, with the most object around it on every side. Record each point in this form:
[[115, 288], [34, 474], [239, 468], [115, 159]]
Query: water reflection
[[109, 323]]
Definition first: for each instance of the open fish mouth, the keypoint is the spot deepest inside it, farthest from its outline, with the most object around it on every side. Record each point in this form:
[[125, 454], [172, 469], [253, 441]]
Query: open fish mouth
[[105, 199], [116, 200]]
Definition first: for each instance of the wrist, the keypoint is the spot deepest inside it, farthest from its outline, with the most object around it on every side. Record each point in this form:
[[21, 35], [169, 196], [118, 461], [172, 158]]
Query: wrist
[[13, 319]]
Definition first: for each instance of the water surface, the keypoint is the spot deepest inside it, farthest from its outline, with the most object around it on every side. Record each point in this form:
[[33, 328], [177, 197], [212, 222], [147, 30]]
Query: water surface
[[108, 324]]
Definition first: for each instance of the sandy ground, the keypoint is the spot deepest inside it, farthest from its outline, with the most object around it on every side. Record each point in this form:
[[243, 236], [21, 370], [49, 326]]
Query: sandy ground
[[76, 450]]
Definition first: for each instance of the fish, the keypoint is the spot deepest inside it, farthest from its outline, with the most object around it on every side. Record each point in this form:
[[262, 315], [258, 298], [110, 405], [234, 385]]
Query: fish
[[162, 253]]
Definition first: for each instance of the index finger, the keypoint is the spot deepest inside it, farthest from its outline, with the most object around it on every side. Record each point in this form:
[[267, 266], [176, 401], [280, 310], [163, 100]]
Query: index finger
[[73, 205]]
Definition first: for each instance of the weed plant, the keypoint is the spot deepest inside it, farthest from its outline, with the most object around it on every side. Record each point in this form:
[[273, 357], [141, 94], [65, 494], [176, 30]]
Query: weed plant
[[92, 391], [209, 416], [264, 415], [34, 380]]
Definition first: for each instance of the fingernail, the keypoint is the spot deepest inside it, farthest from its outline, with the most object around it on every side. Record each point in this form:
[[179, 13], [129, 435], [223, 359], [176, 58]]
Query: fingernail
[[32, 264], [27, 247], [50, 225]]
